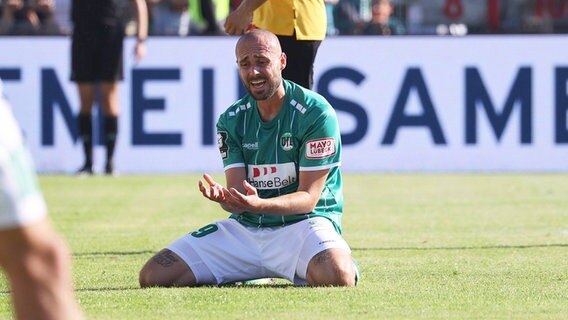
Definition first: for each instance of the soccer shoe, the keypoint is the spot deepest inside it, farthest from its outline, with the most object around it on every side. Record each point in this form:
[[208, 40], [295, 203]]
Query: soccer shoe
[[357, 272], [255, 282], [259, 282], [85, 170], [109, 169]]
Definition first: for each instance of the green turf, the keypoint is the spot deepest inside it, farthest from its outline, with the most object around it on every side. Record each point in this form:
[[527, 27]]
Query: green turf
[[433, 246]]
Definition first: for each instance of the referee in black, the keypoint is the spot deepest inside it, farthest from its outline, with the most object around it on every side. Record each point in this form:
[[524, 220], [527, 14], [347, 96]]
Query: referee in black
[[96, 60]]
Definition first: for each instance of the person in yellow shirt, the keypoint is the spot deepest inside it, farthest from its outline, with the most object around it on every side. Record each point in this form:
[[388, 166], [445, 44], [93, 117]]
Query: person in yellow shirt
[[300, 26]]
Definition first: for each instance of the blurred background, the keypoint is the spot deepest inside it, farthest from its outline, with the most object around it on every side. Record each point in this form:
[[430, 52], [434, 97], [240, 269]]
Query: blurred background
[[346, 17], [418, 85]]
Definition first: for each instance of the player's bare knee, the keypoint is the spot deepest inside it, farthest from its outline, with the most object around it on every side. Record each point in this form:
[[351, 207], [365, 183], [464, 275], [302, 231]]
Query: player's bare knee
[[148, 277], [338, 276], [158, 272], [153, 273], [331, 267], [345, 277]]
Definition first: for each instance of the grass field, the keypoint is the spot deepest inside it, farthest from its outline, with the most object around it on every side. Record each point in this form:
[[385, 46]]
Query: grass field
[[432, 246]]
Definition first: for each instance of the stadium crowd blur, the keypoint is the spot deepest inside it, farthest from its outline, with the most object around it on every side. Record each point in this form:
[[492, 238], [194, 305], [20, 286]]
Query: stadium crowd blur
[[345, 17]]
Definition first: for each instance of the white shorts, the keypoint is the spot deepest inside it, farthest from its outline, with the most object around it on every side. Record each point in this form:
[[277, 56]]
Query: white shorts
[[227, 251], [21, 202]]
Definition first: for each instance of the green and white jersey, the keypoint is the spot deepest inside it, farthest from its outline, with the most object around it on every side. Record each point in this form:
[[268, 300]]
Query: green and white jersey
[[304, 136], [21, 201]]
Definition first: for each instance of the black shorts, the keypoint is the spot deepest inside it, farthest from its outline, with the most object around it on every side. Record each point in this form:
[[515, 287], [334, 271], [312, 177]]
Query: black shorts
[[96, 54], [301, 55]]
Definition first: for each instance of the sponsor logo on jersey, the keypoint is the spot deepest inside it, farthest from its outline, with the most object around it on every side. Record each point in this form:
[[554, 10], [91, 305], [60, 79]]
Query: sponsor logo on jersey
[[250, 145], [286, 141], [320, 148], [222, 144], [272, 176]]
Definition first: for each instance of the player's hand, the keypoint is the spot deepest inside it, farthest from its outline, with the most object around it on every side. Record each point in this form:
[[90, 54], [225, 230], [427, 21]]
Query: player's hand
[[238, 21], [250, 201], [213, 190], [139, 51]]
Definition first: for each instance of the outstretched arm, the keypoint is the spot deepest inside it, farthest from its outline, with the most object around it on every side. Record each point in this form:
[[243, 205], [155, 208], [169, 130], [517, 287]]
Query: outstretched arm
[[216, 192], [302, 201]]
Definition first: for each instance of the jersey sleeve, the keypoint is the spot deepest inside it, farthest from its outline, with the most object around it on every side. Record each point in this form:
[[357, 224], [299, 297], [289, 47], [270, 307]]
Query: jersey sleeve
[[321, 145], [227, 141]]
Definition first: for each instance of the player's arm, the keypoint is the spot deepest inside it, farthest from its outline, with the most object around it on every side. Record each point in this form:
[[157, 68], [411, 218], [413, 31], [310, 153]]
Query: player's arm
[[142, 25], [304, 200], [216, 192], [239, 20]]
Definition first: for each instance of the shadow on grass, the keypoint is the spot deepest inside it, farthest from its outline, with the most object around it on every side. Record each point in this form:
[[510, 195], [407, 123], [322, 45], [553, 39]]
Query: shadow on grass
[[107, 289], [112, 253], [135, 288], [528, 246], [290, 285], [227, 286]]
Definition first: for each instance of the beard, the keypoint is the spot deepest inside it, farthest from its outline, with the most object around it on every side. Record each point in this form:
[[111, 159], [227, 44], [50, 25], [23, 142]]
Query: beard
[[268, 88]]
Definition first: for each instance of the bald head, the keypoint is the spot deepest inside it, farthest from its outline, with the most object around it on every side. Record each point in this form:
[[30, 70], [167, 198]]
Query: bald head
[[259, 38], [261, 61]]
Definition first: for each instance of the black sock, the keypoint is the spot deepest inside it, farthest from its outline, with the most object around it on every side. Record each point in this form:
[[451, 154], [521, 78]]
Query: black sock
[[111, 130], [86, 135]]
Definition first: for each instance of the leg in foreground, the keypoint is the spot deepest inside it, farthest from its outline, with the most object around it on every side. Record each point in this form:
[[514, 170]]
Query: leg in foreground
[[37, 264]]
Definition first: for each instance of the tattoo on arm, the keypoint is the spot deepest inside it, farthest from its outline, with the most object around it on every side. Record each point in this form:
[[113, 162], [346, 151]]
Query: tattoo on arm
[[165, 258]]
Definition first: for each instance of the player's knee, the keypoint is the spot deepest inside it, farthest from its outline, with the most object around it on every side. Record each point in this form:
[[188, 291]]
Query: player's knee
[[148, 277], [336, 276], [345, 277], [331, 269], [166, 269], [153, 275]]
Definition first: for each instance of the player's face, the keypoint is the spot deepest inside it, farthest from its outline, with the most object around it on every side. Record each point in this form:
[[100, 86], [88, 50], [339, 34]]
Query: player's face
[[260, 68]]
